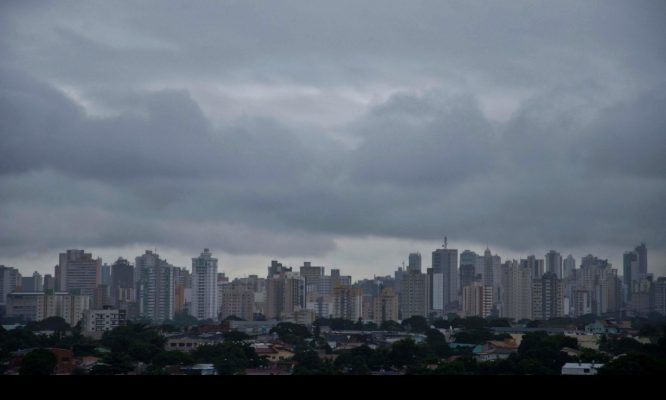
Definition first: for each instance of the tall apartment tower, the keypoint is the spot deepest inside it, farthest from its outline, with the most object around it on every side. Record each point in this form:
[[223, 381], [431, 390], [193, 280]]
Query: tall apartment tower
[[78, 271], [385, 307], [10, 280], [547, 297], [155, 287], [414, 262], [477, 300], [444, 262], [554, 263], [568, 266], [468, 262], [413, 294], [122, 281], [285, 293], [313, 276], [517, 291], [204, 286]]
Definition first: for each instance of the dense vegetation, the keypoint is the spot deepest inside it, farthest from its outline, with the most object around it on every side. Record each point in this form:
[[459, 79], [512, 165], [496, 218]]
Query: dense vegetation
[[141, 345]]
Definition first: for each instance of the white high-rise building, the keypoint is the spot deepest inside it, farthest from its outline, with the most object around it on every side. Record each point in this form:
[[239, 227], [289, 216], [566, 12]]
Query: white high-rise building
[[204, 286]]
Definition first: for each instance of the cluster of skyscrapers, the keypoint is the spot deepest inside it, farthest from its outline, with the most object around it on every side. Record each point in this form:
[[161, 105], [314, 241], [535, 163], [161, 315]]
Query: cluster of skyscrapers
[[469, 284]]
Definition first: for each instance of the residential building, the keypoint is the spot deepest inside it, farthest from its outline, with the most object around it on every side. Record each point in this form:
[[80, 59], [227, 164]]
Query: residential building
[[204, 286]]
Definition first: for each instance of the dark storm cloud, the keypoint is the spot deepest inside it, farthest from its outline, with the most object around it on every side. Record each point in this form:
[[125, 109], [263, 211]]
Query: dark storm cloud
[[269, 128]]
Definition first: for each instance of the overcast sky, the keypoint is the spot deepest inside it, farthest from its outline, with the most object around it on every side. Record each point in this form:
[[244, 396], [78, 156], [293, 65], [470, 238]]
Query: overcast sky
[[348, 133]]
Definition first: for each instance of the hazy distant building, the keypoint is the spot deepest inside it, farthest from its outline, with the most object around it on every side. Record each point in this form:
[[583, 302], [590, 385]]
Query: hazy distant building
[[122, 281], [444, 262], [535, 265], [276, 268], [660, 296], [414, 262], [49, 282], [468, 263], [554, 263], [204, 286], [569, 265], [105, 275], [10, 281], [37, 306], [313, 276], [32, 283], [79, 271]]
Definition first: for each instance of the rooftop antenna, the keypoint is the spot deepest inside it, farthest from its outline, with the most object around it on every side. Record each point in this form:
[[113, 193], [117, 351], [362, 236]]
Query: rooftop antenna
[[445, 242]]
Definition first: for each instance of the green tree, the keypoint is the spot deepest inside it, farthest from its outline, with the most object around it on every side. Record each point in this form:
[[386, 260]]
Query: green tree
[[635, 364], [391, 326], [38, 362], [291, 333], [416, 323]]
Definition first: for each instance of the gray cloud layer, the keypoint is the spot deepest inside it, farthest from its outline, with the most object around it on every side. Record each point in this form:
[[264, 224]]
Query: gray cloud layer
[[270, 128]]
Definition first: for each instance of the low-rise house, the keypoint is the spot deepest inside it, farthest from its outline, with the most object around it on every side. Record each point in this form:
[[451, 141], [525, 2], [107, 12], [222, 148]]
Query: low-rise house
[[497, 350], [603, 326], [580, 368], [188, 344], [273, 353]]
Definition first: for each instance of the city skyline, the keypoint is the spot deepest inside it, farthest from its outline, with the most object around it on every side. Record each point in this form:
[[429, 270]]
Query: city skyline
[[296, 262], [346, 133]]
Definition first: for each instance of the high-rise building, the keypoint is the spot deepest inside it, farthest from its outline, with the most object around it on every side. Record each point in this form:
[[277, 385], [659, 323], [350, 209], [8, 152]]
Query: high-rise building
[[414, 262], [122, 281], [32, 283], [285, 293], [641, 252], [182, 290], [468, 263], [535, 265], [554, 263], [313, 276], [10, 281], [413, 295], [660, 296], [79, 271], [385, 307], [547, 297], [477, 300], [155, 287], [276, 268], [444, 262], [37, 306], [236, 299], [347, 302], [630, 271], [204, 286], [517, 291], [49, 282], [569, 265], [106, 275]]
